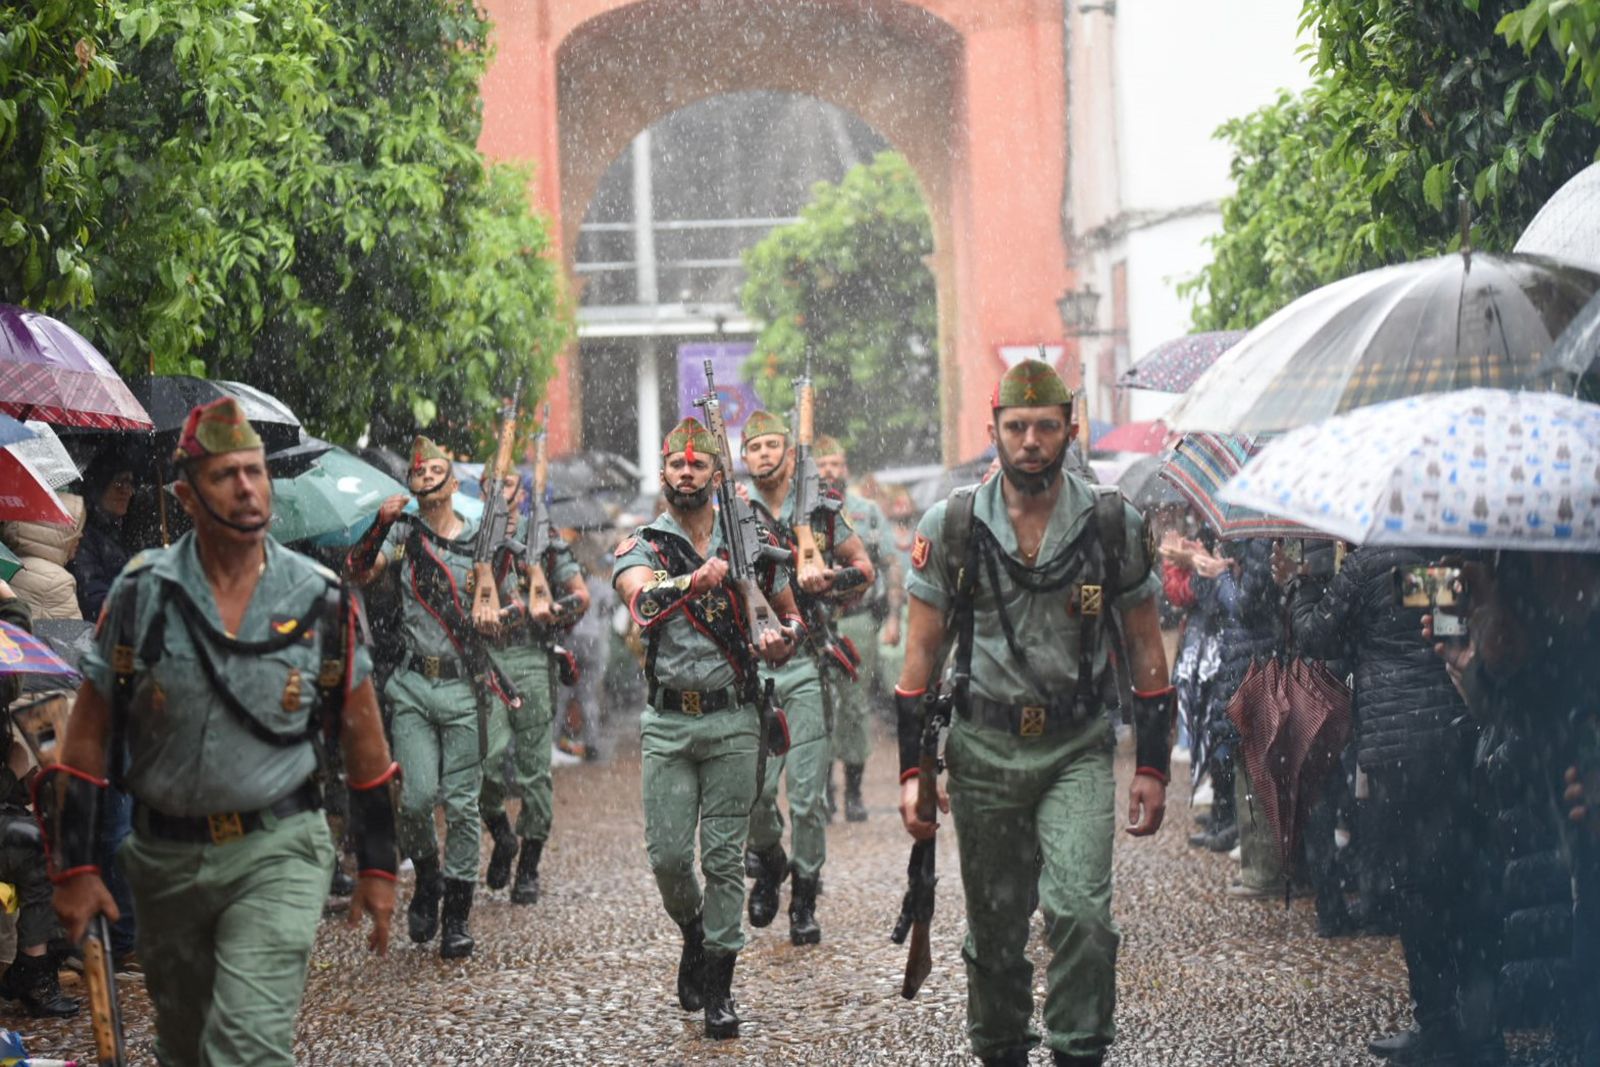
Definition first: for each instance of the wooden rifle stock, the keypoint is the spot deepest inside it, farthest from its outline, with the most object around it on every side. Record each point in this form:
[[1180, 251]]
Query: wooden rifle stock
[[486, 594], [807, 486], [921, 872], [105, 1013], [539, 595]]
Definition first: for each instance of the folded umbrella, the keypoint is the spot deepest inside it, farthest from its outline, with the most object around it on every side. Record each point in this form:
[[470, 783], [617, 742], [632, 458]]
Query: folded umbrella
[[1479, 468], [1198, 467], [48, 371], [1177, 364]]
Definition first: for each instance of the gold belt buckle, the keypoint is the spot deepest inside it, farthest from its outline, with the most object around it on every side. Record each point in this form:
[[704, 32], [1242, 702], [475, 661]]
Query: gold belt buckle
[[689, 701], [432, 667], [1032, 724], [331, 674], [225, 828], [122, 659], [1092, 599]]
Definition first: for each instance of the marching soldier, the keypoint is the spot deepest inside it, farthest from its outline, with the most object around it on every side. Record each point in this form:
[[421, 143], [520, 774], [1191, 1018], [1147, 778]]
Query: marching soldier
[[434, 695], [1025, 572], [860, 621], [700, 727], [217, 664], [526, 655], [770, 461]]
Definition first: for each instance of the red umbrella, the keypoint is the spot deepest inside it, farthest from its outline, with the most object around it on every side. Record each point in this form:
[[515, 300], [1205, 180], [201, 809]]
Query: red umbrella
[[1146, 437], [26, 495], [50, 373]]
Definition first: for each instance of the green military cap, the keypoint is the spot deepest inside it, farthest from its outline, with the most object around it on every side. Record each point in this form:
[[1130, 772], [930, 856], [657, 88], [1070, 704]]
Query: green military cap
[[1031, 383], [827, 446], [762, 423], [689, 437], [423, 449], [214, 428]]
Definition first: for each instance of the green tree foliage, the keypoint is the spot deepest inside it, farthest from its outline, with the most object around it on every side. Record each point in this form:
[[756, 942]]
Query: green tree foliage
[[1414, 101], [1572, 27], [849, 284], [289, 193]]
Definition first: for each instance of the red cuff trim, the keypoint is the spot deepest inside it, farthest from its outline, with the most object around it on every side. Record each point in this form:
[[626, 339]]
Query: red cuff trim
[[73, 872], [1155, 692], [908, 775], [910, 692], [387, 876], [1151, 772], [392, 771]]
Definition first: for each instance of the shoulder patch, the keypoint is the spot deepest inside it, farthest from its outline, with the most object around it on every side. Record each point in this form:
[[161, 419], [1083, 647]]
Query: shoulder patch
[[626, 546], [921, 548]]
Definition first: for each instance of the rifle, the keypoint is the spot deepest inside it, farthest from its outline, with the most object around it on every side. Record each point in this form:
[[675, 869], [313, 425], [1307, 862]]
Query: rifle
[[496, 513], [105, 1014], [536, 538], [916, 909], [808, 497]]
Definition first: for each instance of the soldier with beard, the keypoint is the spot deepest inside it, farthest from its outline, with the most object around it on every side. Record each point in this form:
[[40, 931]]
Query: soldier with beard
[[770, 460], [860, 621], [699, 730], [1022, 571]]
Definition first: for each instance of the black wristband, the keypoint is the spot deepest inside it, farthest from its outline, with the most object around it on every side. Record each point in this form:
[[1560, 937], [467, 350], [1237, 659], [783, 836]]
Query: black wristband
[[847, 578], [1152, 731], [908, 729], [364, 556], [372, 825]]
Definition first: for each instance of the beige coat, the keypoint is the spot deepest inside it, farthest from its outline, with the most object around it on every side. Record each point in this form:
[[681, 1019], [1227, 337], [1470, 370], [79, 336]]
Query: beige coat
[[44, 550]]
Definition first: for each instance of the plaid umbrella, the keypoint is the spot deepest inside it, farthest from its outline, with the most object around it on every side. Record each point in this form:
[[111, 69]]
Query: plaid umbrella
[[1174, 366], [49, 372], [1453, 322], [23, 653], [1201, 464]]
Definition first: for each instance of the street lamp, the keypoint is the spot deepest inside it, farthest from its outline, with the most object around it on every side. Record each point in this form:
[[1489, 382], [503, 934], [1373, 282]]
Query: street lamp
[[1078, 309]]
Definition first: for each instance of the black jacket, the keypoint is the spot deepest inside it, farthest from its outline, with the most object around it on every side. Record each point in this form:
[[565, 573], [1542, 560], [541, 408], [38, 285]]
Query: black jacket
[[1251, 618], [1405, 707], [101, 557]]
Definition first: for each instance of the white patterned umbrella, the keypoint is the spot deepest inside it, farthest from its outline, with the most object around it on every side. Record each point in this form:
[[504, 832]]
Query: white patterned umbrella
[[1479, 468]]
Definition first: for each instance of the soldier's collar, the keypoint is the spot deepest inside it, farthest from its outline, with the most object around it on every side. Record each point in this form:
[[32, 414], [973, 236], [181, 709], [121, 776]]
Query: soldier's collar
[[1072, 510]]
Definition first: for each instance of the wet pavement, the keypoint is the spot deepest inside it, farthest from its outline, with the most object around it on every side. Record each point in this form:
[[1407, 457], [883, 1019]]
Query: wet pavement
[[585, 976]]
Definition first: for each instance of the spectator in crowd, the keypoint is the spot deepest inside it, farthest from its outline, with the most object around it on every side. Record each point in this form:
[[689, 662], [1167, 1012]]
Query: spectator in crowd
[[45, 550], [108, 487]]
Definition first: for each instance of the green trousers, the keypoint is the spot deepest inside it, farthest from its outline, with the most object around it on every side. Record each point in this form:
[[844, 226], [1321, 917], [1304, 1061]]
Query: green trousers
[[529, 725], [799, 694], [225, 935], [1015, 800], [699, 772], [852, 701], [435, 730]]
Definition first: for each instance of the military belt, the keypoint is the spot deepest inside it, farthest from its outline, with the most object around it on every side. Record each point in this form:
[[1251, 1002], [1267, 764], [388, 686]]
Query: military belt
[[694, 701], [439, 668], [225, 826], [1023, 720]]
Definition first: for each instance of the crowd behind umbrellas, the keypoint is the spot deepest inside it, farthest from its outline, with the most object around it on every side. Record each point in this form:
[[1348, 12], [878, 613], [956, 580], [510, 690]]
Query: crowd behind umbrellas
[[1402, 485]]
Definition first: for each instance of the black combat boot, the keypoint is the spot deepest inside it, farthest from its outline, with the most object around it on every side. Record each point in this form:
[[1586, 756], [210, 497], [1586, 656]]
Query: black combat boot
[[691, 962], [526, 889], [774, 864], [854, 809], [422, 918], [1011, 1057], [33, 981], [722, 1015], [456, 943], [803, 928], [504, 851], [1068, 1059]]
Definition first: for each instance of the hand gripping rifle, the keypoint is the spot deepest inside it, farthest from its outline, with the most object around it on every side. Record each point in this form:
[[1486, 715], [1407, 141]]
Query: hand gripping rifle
[[916, 910], [492, 535]]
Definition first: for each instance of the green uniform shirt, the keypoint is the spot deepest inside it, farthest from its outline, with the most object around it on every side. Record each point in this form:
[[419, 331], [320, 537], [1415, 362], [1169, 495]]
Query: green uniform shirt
[[685, 657], [1045, 624], [188, 753], [866, 518], [421, 632]]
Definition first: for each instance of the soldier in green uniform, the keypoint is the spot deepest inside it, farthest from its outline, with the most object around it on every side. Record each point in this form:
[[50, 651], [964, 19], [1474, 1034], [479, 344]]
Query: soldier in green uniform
[[770, 461], [700, 728], [1024, 572], [217, 664], [434, 694], [525, 654], [860, 622]]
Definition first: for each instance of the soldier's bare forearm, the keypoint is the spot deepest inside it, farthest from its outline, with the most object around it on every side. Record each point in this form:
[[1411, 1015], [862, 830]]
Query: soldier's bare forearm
[[88, 728], [1148, 657], [924, 635], [366, 752]]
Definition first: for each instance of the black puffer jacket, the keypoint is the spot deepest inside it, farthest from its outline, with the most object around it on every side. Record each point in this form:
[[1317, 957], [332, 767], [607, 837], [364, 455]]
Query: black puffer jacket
[[1250, 614], [1405, 707]]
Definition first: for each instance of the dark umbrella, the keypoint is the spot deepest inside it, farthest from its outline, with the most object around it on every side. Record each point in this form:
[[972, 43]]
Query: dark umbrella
[[68, 639], [170, 398], [1174, 366], [1452, 322], [50, 373], [1144, 487], [597, 473], [578, 513]]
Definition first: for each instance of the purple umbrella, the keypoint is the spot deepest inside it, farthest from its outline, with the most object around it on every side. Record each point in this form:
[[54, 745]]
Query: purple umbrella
[[23, 653], [1173, 367], [50, 373]]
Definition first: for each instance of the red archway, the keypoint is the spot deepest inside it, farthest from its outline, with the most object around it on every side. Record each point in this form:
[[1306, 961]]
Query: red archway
[[972, 94]]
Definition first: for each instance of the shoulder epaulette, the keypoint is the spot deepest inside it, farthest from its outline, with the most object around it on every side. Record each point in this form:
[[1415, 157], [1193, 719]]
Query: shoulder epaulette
[[325, 573], [143, 560]]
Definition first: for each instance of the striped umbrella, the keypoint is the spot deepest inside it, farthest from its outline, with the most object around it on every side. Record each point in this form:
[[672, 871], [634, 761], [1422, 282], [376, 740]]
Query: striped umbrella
[[1201, 464], [49, 372], [23, 653]]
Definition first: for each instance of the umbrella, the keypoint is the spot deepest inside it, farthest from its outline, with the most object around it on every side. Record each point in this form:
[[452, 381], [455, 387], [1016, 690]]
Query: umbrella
[[1145, 489], [1200, 465], [1145, 437], [1174, 366], [578, 513], [9, 563], [468, 507], [23, 653], [13, 432], [1568, 225], [69, 639], [1452, 322], [49, 372], [295, 460], [170, 398], [47, 455], [26, 495], [597, 473], [1480, 468], [332, 501]]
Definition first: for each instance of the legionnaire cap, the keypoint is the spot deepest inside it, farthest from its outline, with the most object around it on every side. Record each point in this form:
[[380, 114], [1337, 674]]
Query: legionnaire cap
[[762, 423], [214, 428], [423, 450], [690, 438], [827, 446], [1031, 383]]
